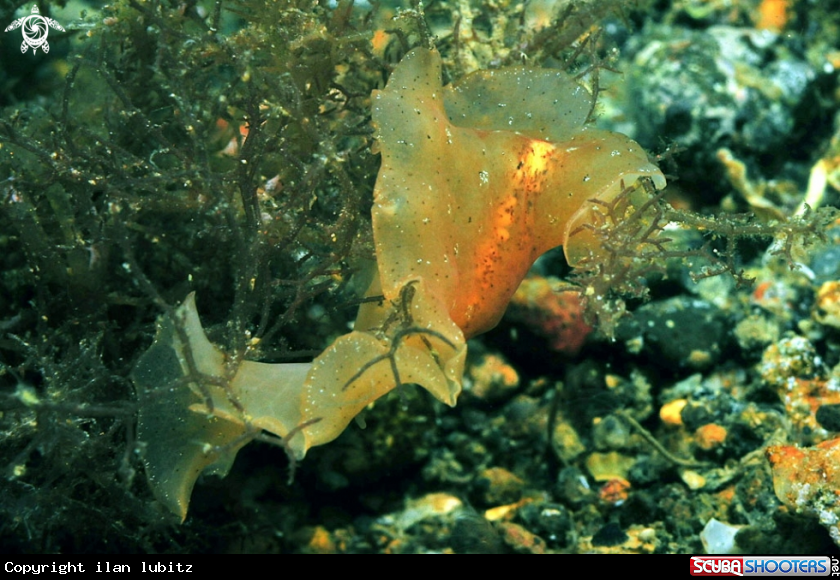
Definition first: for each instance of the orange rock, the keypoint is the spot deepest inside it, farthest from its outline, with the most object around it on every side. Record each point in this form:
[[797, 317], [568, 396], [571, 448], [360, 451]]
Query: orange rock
[[521, 540], [709, 436], [615, 491], [808, 481], [501, 486], [556, 316], [321, 541], [671, 412], [493, 378], [773, 15]]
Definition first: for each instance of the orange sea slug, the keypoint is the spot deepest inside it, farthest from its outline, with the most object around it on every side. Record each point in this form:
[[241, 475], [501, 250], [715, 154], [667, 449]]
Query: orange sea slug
[[481, 177], [478, 179]]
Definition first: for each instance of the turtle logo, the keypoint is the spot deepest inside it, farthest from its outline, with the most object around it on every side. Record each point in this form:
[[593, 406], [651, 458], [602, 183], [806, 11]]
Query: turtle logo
[[35, 30]]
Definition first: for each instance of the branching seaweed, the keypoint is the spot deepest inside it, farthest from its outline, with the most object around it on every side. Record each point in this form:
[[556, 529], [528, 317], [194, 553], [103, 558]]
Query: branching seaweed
[[636, 245], [177, 157]]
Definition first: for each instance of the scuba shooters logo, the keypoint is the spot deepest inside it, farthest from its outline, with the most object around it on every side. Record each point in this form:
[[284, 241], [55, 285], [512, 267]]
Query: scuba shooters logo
[[36, 28], [764, 566], [716, 566]]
